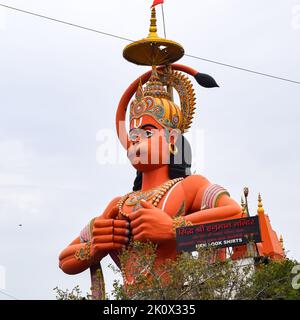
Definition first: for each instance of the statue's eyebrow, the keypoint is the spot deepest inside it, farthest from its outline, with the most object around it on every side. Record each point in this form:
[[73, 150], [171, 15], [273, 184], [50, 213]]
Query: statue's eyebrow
[[143, 127], [148, 125]]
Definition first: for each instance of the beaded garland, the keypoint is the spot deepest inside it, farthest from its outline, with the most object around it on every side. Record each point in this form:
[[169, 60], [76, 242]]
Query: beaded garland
[[157, 196]]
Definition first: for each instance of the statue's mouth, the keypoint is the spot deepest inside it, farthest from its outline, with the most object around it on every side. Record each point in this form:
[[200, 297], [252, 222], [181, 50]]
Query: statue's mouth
[[134, 153], [138, 152]]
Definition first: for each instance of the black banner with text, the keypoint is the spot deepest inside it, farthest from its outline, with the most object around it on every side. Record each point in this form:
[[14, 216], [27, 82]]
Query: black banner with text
[[218, 234]]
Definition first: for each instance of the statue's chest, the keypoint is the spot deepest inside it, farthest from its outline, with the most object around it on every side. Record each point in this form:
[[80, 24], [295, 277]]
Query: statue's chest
[[173, 201]]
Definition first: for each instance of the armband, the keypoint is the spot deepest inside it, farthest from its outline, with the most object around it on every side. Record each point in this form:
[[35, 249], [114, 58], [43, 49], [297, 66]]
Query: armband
[[84, 252], [87, 232], [211, 196]]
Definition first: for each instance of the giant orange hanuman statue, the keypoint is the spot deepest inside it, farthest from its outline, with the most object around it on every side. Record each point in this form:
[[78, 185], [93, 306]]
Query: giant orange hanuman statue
[[165, 194]]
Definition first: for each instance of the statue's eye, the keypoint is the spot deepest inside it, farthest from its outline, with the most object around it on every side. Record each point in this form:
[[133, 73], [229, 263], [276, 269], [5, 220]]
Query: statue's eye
[[148, 133], [134, 137]]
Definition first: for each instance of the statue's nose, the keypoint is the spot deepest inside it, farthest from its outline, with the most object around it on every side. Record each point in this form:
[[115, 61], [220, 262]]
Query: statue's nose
[[136, 140]]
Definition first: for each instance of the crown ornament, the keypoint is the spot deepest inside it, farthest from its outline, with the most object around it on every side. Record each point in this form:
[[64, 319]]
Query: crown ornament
[[156, 100], [153, 92]]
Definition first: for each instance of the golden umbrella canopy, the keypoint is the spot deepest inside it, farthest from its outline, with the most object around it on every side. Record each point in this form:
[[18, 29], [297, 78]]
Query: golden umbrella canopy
[[153, 50]]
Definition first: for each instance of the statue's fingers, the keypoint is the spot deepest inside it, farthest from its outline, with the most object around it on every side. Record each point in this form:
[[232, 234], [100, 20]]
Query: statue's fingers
[[137, 214], [121, 224], [147, 205], [140, 236], [120, 239], [98, 231], [138, 229], [102, 223], [137, 222], [114, 212], [121, 231], [103, 238]]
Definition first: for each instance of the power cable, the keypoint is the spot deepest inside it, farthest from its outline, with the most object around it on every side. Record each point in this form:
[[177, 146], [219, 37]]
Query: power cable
[[130, 40]]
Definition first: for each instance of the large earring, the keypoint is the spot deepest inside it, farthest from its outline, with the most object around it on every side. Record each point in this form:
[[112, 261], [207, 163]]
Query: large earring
[[173, 149]]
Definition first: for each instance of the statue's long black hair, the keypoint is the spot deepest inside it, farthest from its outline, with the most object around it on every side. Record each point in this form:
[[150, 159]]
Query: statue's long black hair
[[180, 164]]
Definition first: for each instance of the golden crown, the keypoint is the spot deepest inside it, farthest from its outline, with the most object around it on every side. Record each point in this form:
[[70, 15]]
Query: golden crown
[[156, 99]]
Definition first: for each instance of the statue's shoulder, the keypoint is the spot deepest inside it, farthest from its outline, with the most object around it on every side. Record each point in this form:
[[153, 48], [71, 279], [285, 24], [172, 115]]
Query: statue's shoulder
[[116, 199], [196, 180], [194, 186], [113, 202]]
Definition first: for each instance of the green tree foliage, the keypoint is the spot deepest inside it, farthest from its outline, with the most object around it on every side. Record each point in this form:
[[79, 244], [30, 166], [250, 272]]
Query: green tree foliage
[[74, 294], [201, 276], [272, 280], [197, 276]]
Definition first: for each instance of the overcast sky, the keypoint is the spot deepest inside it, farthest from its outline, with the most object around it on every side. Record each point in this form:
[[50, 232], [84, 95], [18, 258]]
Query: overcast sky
[[59, 89]]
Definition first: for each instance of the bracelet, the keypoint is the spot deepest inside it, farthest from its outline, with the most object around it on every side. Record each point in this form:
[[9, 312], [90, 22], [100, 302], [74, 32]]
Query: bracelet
[[86, 233], [84, 252], [179, 222]]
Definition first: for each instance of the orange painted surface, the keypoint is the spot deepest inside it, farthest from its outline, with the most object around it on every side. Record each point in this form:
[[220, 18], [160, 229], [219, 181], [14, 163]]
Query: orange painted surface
[[111, 230], [270, 246]]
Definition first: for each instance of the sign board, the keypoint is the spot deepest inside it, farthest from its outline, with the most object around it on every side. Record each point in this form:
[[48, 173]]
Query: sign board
[[221, 234]]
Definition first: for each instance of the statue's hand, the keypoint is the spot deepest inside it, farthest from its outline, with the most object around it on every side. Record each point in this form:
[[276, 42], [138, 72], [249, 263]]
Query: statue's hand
[[151, 223], [112, 213], [109, 234]]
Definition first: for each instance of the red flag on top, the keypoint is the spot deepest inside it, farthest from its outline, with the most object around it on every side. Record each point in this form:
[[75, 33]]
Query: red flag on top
[[156, 2]]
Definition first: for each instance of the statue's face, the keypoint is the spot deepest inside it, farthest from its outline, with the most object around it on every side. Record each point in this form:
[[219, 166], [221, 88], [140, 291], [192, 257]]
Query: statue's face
[[149, 143]]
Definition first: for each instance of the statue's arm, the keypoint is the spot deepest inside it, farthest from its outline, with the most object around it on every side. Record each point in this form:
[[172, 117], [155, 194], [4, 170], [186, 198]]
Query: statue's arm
[[103, 234], [69, 263], [227, 209], [154, 224], [208, 202]]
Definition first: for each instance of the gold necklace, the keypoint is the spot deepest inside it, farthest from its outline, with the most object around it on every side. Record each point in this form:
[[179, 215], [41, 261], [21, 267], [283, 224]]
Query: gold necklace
[[135, 198], [155, 195]]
